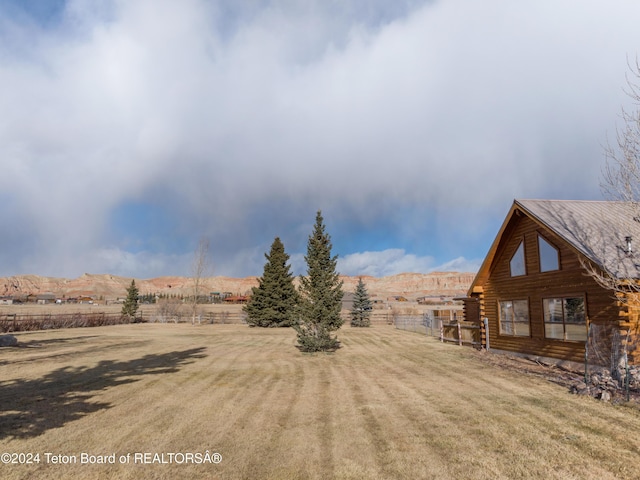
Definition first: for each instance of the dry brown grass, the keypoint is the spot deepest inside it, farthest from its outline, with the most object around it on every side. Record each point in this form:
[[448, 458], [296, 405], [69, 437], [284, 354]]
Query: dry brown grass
[[389, 404]]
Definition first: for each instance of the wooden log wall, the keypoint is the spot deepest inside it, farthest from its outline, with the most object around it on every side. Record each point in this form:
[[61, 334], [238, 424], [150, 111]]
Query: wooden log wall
[[630, 326], [569, 280]]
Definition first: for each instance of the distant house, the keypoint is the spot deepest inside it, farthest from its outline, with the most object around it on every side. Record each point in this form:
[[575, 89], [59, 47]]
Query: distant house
[[534, 288], [236, 299], [45, 298], [6, 300], [219, 297]]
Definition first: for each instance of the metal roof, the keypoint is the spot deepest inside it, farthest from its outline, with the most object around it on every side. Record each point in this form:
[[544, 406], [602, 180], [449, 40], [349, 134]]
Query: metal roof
[[597, 229]]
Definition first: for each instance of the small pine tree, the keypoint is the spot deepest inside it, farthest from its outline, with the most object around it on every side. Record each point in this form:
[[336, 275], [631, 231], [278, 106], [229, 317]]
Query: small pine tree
[[321, 294], [361, 311], [130, 306], [273, 301]]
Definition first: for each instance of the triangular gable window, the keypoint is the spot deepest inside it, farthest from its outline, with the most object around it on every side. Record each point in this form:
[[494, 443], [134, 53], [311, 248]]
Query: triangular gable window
[[517, 262], [549, 258]]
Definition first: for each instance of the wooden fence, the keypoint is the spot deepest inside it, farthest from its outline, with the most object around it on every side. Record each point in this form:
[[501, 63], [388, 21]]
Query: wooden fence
[[428, 321], [418, 324], [422, 323], [224, 317], [377, 317], [462, 333]]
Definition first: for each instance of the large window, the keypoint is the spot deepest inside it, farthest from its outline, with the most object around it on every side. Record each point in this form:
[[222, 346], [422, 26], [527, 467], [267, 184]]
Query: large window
[[517, 262], [565, 318], [514, 318], [548, 256]]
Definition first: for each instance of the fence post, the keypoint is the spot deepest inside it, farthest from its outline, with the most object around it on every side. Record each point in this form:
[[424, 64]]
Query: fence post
[[459, 335], [486, 333], [441, 330], [586, 355]]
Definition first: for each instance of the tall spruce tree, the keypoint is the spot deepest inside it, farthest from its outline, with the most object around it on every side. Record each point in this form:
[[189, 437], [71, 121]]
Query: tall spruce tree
[[274, 300], [130, 305], [321, 294], [361, 311]]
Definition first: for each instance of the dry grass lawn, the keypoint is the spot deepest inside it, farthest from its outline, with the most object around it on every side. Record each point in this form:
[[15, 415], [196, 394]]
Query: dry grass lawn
[[389, 404]]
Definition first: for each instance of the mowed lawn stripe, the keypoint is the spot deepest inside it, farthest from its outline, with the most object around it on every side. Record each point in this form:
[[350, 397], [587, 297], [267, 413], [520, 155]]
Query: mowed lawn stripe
[[522, 428], [460, 399], [388, 404], [249, 441], [392, 382], [406, 432], [385, 436]]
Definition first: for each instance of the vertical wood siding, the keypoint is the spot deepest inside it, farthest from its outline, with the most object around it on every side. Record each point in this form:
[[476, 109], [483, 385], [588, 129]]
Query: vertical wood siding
[[570, 280]]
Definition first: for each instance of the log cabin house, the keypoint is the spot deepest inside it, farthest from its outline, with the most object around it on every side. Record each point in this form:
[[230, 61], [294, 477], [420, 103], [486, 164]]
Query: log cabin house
[[535, 289]]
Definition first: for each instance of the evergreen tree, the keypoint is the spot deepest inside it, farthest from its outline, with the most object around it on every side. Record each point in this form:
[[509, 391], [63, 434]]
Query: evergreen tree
[[361, 311], [321, 294], [130, 306], [273, 301]]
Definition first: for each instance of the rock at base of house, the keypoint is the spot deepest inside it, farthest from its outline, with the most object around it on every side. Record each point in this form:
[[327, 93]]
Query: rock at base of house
[[8, 341], [605, 390], [579, 388]]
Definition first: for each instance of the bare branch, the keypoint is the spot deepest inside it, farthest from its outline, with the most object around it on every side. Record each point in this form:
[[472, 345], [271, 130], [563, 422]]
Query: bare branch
[[621, 173], [620, 181], [619, 288], [200, 268]]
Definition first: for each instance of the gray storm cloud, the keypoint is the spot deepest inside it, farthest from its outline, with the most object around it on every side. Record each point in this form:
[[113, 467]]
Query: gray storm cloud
[[214, 111]]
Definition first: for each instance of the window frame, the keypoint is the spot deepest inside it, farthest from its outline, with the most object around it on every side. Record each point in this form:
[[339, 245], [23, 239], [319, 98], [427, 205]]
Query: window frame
[[524, 260], [542, 238], [562, 299], [513, 324]]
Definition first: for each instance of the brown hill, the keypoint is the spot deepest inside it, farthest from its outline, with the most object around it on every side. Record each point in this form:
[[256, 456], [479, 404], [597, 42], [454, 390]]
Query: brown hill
[[110, 287]]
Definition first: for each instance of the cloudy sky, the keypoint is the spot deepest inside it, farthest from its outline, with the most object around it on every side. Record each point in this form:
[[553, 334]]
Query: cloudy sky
[[131, 129]]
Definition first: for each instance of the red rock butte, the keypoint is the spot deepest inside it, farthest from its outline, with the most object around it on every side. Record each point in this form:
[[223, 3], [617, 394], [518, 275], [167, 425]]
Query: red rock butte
[[109, 287]]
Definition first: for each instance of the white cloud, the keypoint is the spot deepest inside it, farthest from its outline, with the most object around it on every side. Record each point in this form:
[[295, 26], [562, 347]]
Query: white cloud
[[459, 264], [393, 261], [216, 111]]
